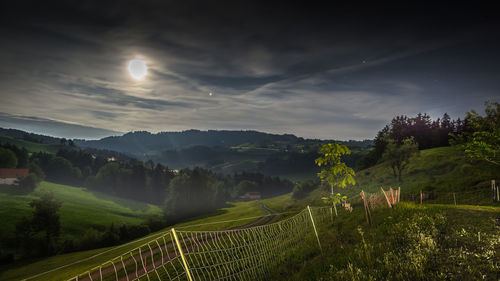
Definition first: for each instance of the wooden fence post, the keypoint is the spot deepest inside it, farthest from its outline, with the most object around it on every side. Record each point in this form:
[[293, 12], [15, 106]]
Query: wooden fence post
[[386, 198], [367, 210], [399, 194], [314, 227], [493, 188], [454, 199], [420, 197]]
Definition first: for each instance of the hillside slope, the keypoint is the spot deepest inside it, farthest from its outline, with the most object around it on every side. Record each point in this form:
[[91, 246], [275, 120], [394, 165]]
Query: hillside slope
[[443, 169], [29, 145], [80, 211], [62, 267]]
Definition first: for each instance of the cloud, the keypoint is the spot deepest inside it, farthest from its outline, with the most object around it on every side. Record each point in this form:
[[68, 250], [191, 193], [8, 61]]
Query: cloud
[[53, 127], [328, 73]]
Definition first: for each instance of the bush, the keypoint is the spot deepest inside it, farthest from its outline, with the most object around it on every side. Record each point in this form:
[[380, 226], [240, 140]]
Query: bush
[[91, 239], [6, 258], [302, 189], [136, 231], [68, 246], [37, 171], [29, 183], [156, 223], [109, 238]]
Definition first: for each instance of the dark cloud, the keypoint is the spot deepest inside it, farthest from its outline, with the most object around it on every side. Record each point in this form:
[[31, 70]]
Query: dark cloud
[[53, 127], [317, 70]]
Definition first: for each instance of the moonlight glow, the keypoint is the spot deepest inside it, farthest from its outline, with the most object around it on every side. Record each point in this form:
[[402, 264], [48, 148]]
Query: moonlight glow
[[137, 68]]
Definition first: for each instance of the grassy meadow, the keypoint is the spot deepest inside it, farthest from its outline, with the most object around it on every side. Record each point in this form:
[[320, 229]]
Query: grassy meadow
[[443, 169], [236, 214], [28, 145], [81, 209], [409, 242], [426, 236]]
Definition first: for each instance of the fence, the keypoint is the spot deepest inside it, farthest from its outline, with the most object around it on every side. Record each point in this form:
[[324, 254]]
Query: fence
[[372, 200], [391, 197], [237, 254], [247, 253], [471, 197]]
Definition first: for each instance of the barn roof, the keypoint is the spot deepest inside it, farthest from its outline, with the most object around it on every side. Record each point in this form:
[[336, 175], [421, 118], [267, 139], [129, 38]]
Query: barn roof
[[253, 193], [13, 173]]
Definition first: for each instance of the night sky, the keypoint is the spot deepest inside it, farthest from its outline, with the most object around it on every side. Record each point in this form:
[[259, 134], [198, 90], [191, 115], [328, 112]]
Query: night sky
[[336, 72]]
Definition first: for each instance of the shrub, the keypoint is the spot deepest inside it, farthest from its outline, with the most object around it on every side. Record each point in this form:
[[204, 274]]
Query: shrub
[[91, 239], [302, 189], [29, 183]]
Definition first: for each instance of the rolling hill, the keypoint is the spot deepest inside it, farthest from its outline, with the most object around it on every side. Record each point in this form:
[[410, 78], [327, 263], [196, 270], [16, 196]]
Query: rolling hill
[[80, 211], [348, 242], [30, 146], [142, 142], [225, 152], [443, 169]]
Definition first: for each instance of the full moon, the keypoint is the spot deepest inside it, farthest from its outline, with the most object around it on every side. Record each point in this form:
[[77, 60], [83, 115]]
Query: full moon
[[137, 69]]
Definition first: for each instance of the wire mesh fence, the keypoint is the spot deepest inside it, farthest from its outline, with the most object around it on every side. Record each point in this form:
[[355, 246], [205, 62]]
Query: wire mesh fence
[[250, 252], [389, 198], [237, 254], [469, 197]]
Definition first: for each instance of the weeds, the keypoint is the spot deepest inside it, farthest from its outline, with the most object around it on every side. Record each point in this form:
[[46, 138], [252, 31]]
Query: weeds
[[424, 244]]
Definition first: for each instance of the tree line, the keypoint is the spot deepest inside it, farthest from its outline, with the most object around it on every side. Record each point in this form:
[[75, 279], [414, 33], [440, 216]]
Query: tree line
[[126, 177], [477, 135], [184, 193], [427, 133]]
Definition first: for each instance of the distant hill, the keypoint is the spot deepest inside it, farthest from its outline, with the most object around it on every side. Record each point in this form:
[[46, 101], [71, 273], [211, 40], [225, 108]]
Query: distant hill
[[18, 134], [30, 146], [220, 151], [224, 151], [143, 142]]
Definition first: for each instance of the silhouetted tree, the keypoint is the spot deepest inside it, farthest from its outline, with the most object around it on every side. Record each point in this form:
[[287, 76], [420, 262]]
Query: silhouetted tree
[[8, 158], [398, 155], [45, 221]]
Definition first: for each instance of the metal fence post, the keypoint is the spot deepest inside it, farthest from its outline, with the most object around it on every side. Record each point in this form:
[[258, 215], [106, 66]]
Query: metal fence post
[[314, 227], [188, 273]]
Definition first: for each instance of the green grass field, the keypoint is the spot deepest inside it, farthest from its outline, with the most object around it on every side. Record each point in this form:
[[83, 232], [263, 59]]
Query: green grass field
[[237, 213], [30, 146], [352, 249], [443, 169], [341, 242], [409, 242], [81, 209]]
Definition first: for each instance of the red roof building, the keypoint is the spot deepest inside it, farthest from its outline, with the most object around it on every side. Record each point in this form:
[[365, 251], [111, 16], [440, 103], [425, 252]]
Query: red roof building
[[251, 196], [10, 176], [13, 173]]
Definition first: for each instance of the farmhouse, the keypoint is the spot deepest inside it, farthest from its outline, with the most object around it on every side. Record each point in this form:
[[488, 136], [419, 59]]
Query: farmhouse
[[11, 176], [250, 196]]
